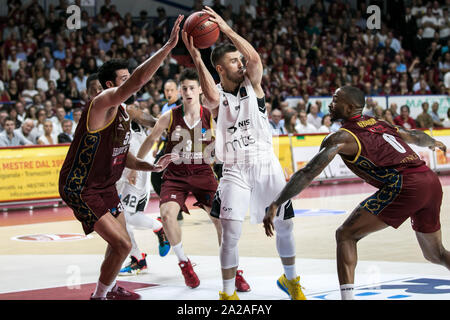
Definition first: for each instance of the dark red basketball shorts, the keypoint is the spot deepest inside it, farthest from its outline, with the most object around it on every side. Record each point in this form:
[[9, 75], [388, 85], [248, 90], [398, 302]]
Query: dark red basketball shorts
[[88, 206], [177, 185], [417, 195]]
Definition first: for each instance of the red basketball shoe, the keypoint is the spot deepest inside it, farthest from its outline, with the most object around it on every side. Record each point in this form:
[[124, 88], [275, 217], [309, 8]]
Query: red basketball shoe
[[241, 284], [190, 277], [119, 293]]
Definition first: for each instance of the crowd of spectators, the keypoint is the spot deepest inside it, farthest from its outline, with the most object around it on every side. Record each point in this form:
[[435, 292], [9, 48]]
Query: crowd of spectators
[[306, 50]]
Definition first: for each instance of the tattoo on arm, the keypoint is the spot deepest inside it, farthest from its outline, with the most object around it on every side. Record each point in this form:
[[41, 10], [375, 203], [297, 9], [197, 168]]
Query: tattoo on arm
[[417, 137], [302, 178]]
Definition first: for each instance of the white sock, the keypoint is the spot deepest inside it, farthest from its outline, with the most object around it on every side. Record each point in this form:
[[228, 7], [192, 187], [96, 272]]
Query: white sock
[[229, 286], [102, 289], [178, 249], [347, 291], [290, 271]]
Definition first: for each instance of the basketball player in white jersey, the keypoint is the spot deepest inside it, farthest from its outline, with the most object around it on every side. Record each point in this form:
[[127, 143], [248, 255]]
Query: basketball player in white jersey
[[252, 175]]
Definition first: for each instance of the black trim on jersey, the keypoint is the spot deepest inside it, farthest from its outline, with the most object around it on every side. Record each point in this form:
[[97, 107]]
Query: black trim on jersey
[[262, 104]]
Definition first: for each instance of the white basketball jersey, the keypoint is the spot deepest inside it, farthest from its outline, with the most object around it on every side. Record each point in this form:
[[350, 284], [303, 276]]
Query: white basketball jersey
[[142, 177], [243, 132]]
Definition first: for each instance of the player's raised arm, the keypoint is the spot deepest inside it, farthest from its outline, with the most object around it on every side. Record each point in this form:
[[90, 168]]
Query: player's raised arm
[[254, 67], [161, 125], [420, 138], [211, 97], [141, 75], [340, 142]]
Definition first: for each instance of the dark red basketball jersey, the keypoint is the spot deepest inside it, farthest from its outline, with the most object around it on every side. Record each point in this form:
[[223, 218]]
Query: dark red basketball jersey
[[382, 152], [193, 144], [96, 159]]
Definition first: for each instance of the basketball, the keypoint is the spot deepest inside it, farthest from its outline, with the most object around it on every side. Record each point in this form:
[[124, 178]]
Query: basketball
[[204, 32]]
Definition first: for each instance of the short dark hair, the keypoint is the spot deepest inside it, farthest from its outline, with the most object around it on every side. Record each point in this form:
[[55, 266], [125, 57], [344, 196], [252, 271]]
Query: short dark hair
[[405, 106], [8, 118], [354, 95], [220, 51], [189, 74], [107, 72], [92, 77]]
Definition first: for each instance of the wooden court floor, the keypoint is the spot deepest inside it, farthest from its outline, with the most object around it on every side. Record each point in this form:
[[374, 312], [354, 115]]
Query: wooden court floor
[[320, 210]]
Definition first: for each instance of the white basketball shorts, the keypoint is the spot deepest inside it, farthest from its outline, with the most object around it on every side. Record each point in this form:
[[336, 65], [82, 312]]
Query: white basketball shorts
[[253, 185]]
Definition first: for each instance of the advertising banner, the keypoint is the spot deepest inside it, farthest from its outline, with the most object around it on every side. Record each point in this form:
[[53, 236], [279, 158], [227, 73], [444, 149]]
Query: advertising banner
[[30, 173]]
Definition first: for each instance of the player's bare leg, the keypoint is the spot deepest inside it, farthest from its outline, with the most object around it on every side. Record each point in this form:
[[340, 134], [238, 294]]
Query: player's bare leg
[[359, 224], [169, 212], [433, 249], [113, 231], [216, 223]]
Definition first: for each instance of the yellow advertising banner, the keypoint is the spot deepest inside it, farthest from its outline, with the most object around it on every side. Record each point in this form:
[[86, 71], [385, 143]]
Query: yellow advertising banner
[[282, 148], [30, 173]]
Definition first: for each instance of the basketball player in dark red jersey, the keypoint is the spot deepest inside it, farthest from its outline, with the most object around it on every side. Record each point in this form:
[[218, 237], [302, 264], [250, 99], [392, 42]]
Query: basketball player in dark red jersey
[[97, 157], [190, 134], [378, 153]]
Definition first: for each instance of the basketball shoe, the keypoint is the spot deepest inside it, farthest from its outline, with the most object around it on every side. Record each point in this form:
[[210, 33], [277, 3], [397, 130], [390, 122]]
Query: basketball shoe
[[291, 287], [224, 296], [119, 293], [190, 277], [241, 284], [135, 266], [164, 245]]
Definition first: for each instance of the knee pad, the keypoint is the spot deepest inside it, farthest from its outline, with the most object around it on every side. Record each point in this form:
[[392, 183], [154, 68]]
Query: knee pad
[[231, 232], [285, 237]]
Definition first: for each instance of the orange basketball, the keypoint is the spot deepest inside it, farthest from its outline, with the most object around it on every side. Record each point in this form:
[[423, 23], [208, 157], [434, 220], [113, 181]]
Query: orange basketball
[[204, 32]]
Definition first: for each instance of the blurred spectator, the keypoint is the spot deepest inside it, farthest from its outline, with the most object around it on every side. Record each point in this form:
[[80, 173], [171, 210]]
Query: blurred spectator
[[326, 124], [290, 121], [424, 120], [276, 123], [446, 122], [3, 115], [155, 110], [378, 112], [30, 91], [8, 137], [48, 138], [404, 120], [437, 121], [303, 126], [13, 90], [444, 26], [38, 129], [388, 116], [66, 135], [369, 107], [393, 107], [76, 115], [58, 120], [430, 25], [20, 110], [313, 116], [26, 131]]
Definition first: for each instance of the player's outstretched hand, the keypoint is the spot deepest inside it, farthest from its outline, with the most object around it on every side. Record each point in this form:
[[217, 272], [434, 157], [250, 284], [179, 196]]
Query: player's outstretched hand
[[215, 17], [173, 40], [189, 43], [268, 219], [440, 145], [165, 160]]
